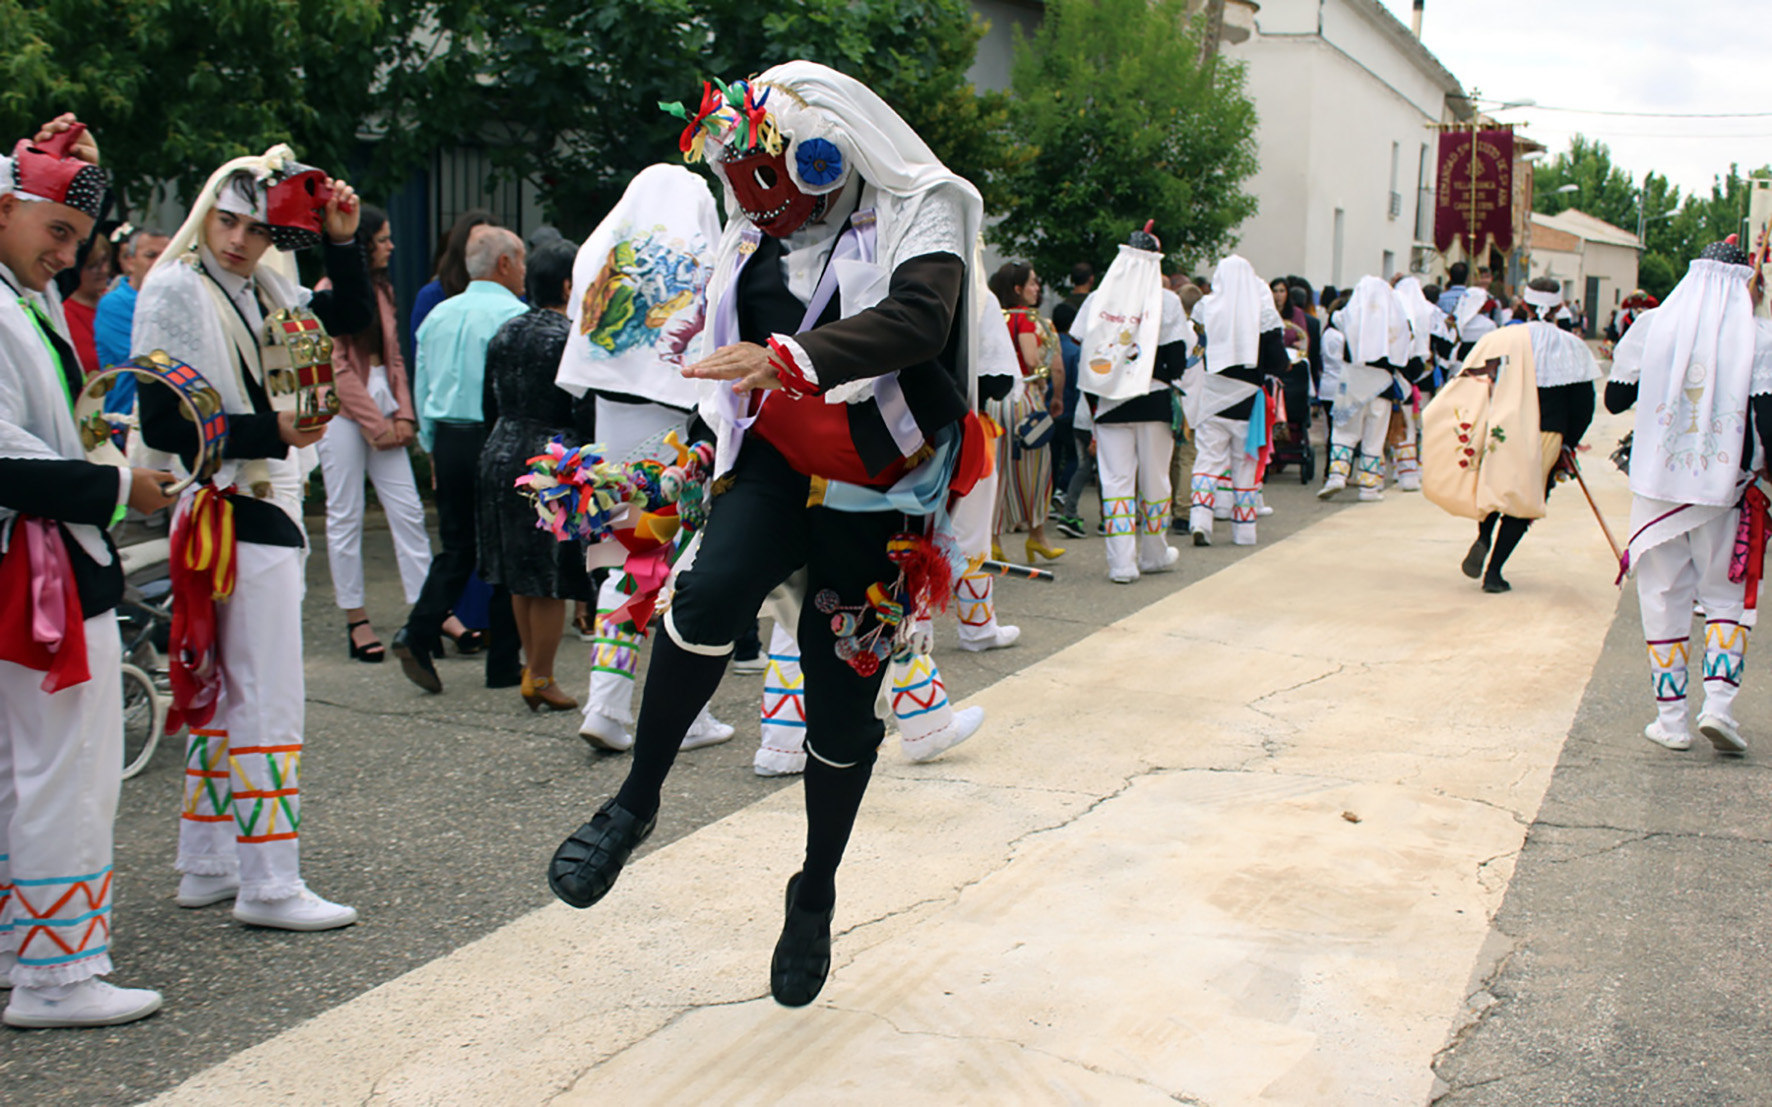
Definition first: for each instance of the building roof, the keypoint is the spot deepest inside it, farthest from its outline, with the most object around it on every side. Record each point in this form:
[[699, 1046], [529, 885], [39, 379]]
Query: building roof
[[1394, 29], [1587, 227], [1547, 237]]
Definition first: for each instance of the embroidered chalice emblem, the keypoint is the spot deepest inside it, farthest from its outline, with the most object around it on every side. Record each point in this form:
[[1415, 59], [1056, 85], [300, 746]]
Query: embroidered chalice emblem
[[1693, 389]]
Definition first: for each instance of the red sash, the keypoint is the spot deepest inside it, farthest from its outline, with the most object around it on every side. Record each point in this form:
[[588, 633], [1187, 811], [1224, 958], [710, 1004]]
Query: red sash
[[47, 632]]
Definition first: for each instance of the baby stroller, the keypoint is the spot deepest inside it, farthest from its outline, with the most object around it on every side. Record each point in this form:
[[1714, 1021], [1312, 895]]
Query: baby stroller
[[1291, 397]]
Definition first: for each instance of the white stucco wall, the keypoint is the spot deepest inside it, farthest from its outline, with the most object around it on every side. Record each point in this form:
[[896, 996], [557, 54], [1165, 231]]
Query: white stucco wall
[[990, 71], [1330, 106]]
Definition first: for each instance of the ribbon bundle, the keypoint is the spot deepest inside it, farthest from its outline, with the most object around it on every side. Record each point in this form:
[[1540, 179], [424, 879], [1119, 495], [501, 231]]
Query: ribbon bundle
[[644, 505]]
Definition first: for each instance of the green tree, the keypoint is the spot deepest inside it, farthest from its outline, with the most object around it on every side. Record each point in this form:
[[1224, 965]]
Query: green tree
[[173, 88], [565, 93], [1121, 125], [1602, 189]]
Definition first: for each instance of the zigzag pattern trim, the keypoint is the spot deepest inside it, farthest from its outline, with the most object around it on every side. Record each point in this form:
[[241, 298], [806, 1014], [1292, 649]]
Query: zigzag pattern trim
[[1668, 670], [1120, 516], [73, 925]]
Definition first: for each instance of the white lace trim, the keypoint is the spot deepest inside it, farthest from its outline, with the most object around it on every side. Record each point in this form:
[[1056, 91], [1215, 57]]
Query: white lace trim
[[1560, 357]]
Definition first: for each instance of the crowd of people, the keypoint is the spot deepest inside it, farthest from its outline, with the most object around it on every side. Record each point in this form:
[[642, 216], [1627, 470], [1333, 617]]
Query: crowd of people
[[818, 411]]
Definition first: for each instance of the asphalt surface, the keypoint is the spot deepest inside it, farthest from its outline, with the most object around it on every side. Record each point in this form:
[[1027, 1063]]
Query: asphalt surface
[[1631, 957], [435, 816]]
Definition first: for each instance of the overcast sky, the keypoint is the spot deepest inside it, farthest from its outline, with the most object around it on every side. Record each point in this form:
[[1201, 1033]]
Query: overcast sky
[[1619, 55]]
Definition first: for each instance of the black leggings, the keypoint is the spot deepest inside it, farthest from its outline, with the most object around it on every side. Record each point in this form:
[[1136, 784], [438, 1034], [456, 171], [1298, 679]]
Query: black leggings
[[759, 532]]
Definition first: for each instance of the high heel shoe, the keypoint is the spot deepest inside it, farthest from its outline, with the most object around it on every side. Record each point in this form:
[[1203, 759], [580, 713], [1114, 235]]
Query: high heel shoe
[[996, 550], [372, 651], [468, 642], [1050, 553], [540, 692]]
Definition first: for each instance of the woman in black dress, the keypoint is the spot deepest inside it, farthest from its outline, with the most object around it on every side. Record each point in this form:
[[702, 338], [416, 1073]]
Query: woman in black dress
[[526, 410]]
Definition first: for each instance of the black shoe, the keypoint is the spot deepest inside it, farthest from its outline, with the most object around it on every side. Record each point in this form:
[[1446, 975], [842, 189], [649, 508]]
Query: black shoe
[[1473, 561], [1068, 525], [415, 662], [468, 642], [1201, 538], [802, 954], [1180, 526], [1494, 583], [585, 866], [1101, 528]]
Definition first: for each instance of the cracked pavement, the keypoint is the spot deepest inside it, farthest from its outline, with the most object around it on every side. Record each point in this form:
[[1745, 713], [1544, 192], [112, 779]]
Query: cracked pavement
[[434, 817], [1637, 925]]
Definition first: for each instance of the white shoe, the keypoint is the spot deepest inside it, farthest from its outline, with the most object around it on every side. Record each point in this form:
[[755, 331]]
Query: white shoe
[[1662, 737], [966, 722], [1170, 556], [1408, 484], [304, 911], [89, 1002], [1334, 484], [757, 664], [605, 733], [1723, 733], [778, 766], [201, 891], [1124, 578], [1005, 637], [706, 731], [1262, 511], [1371, 495]]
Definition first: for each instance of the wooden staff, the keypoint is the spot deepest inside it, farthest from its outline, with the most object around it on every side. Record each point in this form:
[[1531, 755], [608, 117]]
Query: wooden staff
[[1569, 459], [1010, 569]]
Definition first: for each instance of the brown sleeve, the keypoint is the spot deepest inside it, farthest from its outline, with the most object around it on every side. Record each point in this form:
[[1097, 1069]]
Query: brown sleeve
[[909, 327]]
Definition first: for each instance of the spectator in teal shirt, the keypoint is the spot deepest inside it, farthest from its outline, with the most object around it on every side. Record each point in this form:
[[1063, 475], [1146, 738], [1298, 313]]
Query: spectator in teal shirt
[[446, 392], [116, 312]]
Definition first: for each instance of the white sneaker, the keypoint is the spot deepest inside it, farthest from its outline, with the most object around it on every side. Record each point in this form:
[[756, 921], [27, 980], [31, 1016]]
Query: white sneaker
[[1170, 556], [1723, 733], [1005, 637], [201, 891], [757, 664], [1334, 484], [966, 722], [89, 1002], [1262, 511], [605, 733], [1371, 495], [1663, 737], [304, 911], [1124, 578], [706, 731], [778, 765], [1408, 484]]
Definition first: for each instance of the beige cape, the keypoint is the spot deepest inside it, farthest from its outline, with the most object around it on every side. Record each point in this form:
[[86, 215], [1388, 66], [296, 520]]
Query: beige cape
[[1481, 449]]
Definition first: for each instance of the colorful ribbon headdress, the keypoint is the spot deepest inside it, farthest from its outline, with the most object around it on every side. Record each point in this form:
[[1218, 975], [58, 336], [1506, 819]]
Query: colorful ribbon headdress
[[733, 115]]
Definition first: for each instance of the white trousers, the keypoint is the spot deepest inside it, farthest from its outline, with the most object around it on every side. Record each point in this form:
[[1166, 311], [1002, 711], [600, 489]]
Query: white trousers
[[242, 802], [615, 656], [61, 757], [623, 428], [971, 520], [918, 695], [1694, 566], [1363, 433], [1134, 461], [345, 461], [1220, 444]]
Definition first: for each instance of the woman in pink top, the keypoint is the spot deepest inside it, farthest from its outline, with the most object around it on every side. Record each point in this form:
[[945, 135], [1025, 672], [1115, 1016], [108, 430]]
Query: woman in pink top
[[368, 438]]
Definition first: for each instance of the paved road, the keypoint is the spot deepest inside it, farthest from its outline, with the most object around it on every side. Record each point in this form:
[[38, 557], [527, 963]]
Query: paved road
[[1632, 961], [434, 816]]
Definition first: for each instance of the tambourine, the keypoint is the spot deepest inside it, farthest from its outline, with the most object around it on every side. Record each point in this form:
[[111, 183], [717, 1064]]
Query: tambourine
[[198, 402]]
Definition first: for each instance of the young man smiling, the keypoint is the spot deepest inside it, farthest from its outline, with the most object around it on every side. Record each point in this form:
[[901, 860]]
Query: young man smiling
[[61, 724]]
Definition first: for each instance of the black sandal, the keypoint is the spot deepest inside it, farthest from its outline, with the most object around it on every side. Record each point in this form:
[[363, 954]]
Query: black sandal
[[468, 642], [802, 958], [373, 652]]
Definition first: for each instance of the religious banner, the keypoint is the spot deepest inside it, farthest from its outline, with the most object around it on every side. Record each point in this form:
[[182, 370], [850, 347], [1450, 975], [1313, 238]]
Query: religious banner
[[1474, 197]]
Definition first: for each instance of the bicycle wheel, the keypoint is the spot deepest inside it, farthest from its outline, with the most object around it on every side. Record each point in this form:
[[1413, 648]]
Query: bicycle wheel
[[144, 716]]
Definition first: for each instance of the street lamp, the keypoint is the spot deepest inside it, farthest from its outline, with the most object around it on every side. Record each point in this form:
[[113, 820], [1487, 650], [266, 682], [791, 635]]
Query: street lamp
[[1568, 188]]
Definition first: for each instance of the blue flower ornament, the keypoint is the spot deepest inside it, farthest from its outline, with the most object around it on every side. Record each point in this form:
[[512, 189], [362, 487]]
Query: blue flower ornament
[[819, 162]]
